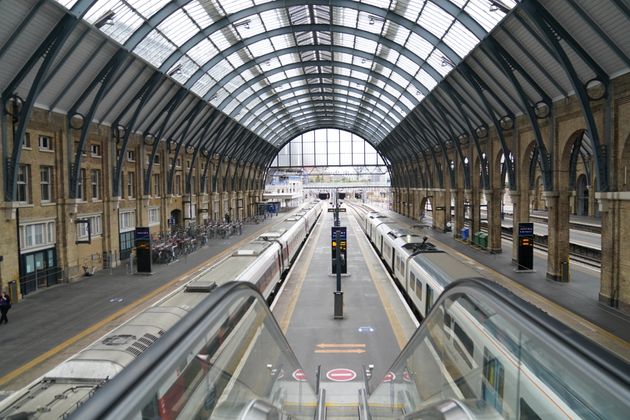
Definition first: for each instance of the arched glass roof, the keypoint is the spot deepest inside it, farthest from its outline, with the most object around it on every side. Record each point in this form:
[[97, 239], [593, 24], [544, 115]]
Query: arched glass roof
[[271, 64]]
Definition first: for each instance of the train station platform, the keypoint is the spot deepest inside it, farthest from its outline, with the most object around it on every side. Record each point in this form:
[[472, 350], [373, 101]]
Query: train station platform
[[375, 325]]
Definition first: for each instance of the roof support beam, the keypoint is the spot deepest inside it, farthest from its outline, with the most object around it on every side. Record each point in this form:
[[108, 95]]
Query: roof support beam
[[554, 32], [140, 100], [20, 110]]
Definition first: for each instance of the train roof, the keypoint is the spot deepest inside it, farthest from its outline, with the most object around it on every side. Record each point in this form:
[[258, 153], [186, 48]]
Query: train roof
[[444, 268], [404, 233], [230, 268], [272, 234]]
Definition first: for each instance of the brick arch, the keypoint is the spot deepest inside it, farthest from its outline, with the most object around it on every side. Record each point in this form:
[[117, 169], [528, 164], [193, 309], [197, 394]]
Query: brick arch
[[569, 158]]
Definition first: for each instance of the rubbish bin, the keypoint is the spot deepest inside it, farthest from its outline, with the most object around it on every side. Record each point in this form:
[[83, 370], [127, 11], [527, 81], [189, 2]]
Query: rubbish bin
[[483, 240], [464, 233], [476, 238]]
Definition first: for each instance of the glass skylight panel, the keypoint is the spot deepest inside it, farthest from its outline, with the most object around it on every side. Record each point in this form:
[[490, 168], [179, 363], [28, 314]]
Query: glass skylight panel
[[299, 15], [276, 77], [407, 103], [409, 9], [154, 48], [250, 73], [222, 69], [322, 14], [68, 4], [460, 39], [366, 45], [344, 71], [360, 75], [202, 52], [183, 69], [323, 38], [286, 59], [419, 46], [362, 62], [370, 23], [233, 6], [261, 47], [230, 108], [292, 73], [440, 63], [221, 38], [272, 63], [344, 40], [392, 90], [400, 78], [480, 11], [407, 65], [343, 57], [281, 42], [178, 27], [121, 25], [275, 19], [396, 33], [234, 84], [198, 12], [147, 8], [426, 79], [245, 95], [203, 85], [435, 19]]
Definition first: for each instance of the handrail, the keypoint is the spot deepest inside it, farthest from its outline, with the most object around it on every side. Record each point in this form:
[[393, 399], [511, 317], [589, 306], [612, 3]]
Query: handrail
[[492, 314], [321, 405], [126, 390], [609, 363]]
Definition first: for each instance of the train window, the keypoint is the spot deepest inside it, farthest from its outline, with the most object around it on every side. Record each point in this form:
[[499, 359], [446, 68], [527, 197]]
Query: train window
[[412, 281], [447, 319], [526, 412], [429, 299], [492, 386], [419, 290], [466, 341]]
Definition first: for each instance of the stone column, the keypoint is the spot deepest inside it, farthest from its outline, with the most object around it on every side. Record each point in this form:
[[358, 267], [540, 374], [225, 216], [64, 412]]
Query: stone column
[[459, 212], [493, 198], [475, 210], [615, 263], [557, 203], [520, 209], [439, 208]]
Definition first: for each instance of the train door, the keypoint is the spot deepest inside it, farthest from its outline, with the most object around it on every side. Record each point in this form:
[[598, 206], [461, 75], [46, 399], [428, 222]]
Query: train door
[[492, 381], [393, 266], [429, 300]]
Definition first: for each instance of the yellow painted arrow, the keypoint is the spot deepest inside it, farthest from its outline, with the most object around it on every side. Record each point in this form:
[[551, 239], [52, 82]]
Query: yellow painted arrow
[[327, 345]]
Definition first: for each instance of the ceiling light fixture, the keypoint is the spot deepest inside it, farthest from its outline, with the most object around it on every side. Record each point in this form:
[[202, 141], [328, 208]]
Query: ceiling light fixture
[[497, 5], [106, 19]]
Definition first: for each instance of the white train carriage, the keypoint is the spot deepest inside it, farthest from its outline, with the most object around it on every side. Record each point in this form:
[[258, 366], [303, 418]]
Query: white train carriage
[[62, 389], [518, 382]]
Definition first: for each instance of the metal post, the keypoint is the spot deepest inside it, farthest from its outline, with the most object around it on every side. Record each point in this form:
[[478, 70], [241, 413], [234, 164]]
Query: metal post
[[338, 293]]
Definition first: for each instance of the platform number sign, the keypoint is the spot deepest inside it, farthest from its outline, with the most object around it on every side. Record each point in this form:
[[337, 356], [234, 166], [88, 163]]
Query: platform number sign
[[525, 246], [142, 239], [339, 234]]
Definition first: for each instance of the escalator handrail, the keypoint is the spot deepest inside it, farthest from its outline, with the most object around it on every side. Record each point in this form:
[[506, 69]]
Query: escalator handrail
[[130, 385], [607, 363]]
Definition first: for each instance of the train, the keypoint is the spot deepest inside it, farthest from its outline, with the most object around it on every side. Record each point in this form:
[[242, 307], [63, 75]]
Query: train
[[480, 350], [421, 269], [262, 262]]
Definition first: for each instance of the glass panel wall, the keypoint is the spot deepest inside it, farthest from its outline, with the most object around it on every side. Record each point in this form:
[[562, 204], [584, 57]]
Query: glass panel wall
[[327, 147]]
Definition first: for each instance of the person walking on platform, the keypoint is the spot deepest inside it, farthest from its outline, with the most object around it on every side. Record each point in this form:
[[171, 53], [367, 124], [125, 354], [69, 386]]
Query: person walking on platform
[[227, 217], [5, 305]]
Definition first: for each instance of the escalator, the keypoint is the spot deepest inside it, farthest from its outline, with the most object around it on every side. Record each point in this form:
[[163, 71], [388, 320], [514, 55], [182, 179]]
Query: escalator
[[481, 353]]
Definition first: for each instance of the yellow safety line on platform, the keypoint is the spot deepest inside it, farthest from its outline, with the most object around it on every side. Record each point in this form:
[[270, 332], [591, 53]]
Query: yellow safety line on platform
[[95, 327], [389, 309], [307, 253]]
